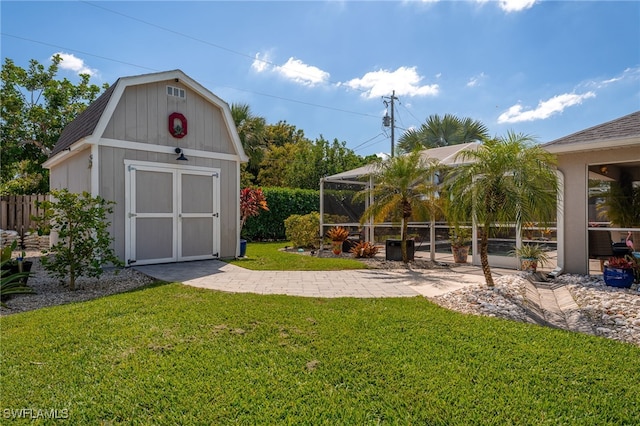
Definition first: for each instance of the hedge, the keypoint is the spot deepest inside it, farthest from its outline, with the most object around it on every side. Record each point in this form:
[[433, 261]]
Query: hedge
[[282, 202]]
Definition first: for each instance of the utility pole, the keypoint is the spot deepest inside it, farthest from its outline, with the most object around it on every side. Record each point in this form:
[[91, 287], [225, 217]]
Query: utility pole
[[390, 121]]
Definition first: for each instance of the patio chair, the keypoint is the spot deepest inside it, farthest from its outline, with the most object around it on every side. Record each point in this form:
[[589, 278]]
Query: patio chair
[[600, 246]]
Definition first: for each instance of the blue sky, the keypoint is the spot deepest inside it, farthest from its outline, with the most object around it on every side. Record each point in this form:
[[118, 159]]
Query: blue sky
[[543, 68]]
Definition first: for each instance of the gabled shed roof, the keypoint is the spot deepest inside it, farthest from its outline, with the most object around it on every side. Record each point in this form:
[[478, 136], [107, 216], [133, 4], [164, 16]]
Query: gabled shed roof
[[90, 124], [619, 132], [85, 123]]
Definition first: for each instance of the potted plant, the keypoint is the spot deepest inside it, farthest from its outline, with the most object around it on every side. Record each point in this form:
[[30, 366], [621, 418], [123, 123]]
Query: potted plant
[[620, 271], [12, 283], [460, 241], [15, 266], [252, 202], [531, 255], [337, 235]]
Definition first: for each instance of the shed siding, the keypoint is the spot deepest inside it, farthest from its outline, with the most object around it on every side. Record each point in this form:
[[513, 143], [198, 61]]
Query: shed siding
[[142, 113], [73, 174], [574, 167], [112, 182]]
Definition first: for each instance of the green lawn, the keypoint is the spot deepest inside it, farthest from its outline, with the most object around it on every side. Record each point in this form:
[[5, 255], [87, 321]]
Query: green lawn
[[267, 257], [172, 354]]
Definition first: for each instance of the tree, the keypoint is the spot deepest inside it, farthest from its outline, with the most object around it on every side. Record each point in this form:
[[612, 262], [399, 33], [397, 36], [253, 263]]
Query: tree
[[508, 179], [251, 130], [302, 164], [402, 190], [35, 108], [437, 132], [282, 133], [84, 242]]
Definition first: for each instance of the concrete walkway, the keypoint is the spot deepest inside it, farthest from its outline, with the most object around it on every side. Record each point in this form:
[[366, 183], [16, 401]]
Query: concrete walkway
[[217, 275]]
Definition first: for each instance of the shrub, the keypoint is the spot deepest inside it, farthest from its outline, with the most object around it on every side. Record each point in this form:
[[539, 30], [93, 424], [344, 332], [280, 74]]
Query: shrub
[[303, 230], [364, 249], [84, 243], [283, 202]]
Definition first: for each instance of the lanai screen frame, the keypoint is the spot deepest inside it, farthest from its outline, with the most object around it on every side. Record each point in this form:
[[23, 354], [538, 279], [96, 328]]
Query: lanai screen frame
[[364, 176]]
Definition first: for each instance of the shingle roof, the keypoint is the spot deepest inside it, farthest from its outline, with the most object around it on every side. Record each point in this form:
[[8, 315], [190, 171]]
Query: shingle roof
[[620, 128], [85, 123]]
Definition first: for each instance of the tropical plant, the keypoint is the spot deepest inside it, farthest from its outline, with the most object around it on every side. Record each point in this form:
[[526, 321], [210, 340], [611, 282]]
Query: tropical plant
[[338, 233], [436, 132], [84, 242], [626, 262], [252, 202], [531, 252], [7, 251], [403, 188], [12, 283], [621, 202], [507, 180], [364, 249], [459, 236], [251, 130]]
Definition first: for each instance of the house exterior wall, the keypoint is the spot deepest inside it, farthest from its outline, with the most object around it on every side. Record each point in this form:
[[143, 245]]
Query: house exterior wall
[[73, 174], [142, 116], [574, 166]]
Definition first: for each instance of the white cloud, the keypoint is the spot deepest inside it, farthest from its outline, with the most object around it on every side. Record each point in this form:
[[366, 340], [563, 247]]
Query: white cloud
[[516, 5], [261, 64], [629, 74], [476, 80], [298, 71], [294, 70], [545, 109], [512, 5], [405, 81], [72, 63]]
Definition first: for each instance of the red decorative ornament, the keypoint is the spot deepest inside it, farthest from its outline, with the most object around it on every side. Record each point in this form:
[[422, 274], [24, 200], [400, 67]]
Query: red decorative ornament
[[177, 125]]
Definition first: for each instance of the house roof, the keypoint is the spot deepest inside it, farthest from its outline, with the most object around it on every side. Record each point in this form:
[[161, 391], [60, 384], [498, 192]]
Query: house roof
[[619, 132], [446, 155], [89, 125], [85, 123]]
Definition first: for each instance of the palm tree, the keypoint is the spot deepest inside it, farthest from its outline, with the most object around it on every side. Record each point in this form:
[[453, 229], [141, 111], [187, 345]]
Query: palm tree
[[251, 130], [436, 132], [401, 191], [506, 180]]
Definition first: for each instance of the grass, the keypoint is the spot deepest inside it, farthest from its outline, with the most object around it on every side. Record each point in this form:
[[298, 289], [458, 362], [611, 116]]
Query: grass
[[268, 257], [171, 354]]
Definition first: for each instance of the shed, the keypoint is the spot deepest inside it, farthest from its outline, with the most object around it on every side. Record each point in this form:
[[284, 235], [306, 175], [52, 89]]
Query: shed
[[167, 151], [604, 152]]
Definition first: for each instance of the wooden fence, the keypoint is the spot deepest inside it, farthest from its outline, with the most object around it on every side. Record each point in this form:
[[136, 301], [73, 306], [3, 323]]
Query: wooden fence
[[16, 212]]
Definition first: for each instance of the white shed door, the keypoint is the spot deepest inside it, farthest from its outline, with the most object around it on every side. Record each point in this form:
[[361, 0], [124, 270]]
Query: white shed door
[[172, 214]]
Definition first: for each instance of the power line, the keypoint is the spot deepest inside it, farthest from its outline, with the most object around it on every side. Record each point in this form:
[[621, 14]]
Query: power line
[[208, 43], [157, 70]]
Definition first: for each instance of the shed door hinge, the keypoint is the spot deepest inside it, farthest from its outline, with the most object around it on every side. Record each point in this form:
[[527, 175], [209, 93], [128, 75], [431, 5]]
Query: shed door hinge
[[132, 215], [131, 261], [215, 174], [216, 215], [216, 255]]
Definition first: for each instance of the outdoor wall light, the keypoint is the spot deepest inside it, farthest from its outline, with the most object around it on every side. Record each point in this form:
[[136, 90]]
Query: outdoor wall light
[[182, 157]]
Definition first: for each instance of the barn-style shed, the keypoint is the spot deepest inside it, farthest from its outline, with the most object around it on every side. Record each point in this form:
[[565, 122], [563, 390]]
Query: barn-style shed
[[167, 151]]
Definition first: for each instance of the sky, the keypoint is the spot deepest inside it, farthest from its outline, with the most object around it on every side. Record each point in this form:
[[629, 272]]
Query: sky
[[546, 69]]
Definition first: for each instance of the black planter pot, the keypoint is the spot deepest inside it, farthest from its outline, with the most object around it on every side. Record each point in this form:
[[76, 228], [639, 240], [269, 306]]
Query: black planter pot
[[14, 268]]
